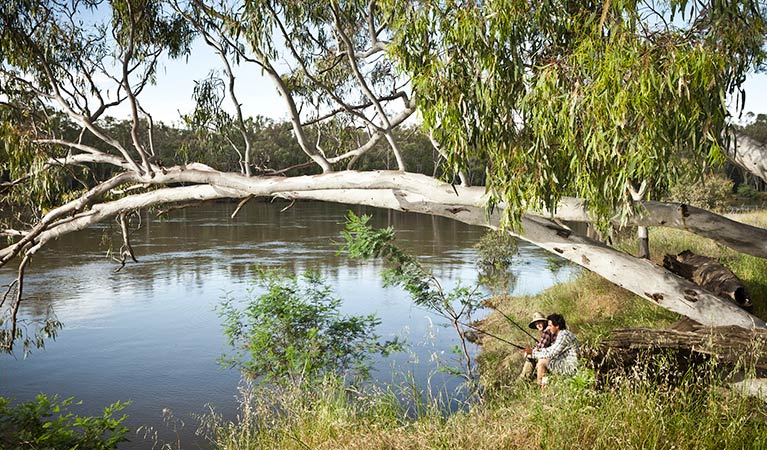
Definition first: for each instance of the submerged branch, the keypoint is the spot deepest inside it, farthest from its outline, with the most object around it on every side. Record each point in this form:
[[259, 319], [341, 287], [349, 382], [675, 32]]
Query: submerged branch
[[126, 250], [7, 345]]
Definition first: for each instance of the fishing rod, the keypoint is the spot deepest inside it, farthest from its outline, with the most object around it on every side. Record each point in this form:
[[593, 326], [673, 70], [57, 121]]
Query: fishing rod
[[445, 316], [516, 324], [488, 334]]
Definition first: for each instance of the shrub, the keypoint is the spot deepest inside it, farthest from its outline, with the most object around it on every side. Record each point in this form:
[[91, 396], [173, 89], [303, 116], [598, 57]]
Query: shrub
[[495, 252], [295, 330], [713, 192], [745, 190], [496, 248], [45, 423]]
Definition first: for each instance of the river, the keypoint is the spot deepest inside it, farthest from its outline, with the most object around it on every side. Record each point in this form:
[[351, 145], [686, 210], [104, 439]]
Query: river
[[149, 333]]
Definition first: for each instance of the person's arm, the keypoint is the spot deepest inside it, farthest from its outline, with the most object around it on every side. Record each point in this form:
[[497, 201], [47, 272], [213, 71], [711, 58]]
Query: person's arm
[[558, 347]]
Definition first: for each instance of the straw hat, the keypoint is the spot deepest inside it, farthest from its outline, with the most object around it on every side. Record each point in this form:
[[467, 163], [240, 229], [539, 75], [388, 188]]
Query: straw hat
[[537, 317]]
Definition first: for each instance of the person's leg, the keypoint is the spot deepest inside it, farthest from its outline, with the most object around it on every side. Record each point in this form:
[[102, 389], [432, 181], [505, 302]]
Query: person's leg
[[541, 369], [527, 370]]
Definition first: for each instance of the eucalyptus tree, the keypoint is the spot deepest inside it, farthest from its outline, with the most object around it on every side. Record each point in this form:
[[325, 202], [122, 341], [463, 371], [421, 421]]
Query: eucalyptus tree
[[326, 60], [562, 98]]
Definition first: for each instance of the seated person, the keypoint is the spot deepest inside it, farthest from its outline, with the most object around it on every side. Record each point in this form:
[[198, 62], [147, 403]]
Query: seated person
[[561, 357], [540, 323]]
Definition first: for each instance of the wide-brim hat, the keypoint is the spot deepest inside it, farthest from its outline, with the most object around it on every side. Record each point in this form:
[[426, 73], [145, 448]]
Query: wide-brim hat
[[537, 317]]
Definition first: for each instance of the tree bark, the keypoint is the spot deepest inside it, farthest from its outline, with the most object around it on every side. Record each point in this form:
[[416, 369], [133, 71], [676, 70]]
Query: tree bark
[[710, 275], [419, 193]]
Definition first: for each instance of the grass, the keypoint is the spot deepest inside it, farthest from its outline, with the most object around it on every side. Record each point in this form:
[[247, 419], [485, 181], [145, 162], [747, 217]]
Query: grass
[[567, 415], [638, 409]]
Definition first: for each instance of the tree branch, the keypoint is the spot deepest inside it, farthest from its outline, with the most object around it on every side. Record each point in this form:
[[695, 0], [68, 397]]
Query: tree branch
[[419, 193], [366, 89], [127, 249], [749, 154], [736, 235], [28, 240]]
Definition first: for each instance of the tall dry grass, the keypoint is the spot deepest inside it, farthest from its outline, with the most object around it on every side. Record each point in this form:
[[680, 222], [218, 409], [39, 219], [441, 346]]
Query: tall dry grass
[[636, 413], [650, 406]]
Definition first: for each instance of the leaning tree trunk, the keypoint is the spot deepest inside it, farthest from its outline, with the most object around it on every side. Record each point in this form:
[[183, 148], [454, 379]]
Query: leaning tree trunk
[[417, 193]]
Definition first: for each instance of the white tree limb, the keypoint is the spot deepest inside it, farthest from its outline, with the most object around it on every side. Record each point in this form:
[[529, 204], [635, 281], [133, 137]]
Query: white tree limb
[[421, 194], [739, 236], [749, 154]]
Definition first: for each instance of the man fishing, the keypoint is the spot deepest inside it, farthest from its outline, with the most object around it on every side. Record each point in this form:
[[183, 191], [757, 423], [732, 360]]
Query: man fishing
[[561, 357]]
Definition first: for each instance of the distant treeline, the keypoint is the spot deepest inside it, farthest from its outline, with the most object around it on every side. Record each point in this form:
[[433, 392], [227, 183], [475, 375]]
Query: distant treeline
[[274, 147]]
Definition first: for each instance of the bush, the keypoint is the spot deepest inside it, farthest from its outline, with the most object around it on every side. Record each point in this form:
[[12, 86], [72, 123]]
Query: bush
[[32, 425], [295, 330], [496, 249], [712, 193], [744, 190]]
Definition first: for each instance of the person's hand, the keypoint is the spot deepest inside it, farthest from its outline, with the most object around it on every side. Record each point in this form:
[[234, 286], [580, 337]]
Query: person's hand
[[527, 351]]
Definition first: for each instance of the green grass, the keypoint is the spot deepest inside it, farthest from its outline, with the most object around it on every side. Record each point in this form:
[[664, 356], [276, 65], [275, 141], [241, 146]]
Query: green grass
[[568, 414], [639, 409]]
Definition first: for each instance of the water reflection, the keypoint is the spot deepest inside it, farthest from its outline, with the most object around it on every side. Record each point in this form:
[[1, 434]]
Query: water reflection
[[149, 333]]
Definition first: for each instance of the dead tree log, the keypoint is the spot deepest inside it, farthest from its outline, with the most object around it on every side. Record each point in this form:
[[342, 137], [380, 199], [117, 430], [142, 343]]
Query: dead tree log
[[710, 275], [730, 346]]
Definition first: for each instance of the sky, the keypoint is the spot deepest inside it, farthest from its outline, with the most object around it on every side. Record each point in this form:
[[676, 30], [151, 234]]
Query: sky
[[172, 96], [756, 94]]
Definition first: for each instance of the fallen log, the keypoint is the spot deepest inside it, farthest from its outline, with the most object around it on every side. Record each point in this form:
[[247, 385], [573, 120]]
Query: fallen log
[[710, 275], [730, 346]]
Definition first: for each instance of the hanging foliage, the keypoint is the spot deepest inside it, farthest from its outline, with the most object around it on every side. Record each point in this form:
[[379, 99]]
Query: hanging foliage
[[578, 98]]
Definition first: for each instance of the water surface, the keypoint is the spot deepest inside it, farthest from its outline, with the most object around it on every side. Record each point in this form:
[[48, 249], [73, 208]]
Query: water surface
[[149, 333]]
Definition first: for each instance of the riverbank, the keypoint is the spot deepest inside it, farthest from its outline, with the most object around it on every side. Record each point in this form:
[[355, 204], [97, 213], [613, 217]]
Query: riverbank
[[637, 409]]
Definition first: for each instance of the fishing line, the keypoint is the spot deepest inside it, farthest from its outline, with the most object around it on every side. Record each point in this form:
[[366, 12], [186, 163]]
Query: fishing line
[[444, 316], [516, 324]]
